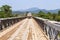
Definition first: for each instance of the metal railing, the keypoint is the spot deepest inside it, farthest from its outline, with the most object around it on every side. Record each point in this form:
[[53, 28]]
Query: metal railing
[[6, 22], [52, 29]]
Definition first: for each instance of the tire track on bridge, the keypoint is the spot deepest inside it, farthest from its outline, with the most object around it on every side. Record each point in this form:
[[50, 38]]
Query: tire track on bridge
[[29, 30], [8, 32], [39, 31], [21, 28]]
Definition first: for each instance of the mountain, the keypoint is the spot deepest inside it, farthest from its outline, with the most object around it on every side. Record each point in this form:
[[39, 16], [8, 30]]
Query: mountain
[[33, 10], [36, 10], [17, 12], [54, 11]]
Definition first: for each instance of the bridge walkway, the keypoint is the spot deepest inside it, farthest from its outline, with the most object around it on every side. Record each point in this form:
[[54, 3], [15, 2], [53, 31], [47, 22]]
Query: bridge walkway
[[28, 29]]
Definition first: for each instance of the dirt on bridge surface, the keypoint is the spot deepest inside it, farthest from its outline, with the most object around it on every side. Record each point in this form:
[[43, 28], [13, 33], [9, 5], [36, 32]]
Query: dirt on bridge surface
[[28, 30]]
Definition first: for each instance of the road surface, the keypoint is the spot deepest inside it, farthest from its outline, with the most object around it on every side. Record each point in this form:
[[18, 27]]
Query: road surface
[[29, 30]]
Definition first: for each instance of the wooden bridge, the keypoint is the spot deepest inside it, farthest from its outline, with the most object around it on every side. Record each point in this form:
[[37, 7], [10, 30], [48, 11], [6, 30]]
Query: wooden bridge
[[28, 28]]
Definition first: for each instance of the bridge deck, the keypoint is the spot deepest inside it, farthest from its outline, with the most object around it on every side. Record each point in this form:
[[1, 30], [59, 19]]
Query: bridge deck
[[28, 30]]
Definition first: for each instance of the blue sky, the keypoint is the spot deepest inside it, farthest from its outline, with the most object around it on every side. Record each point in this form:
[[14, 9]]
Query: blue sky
[[25, 4]]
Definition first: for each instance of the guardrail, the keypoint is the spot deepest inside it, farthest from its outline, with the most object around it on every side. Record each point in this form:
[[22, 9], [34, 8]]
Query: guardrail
[[6, 22], [52, 29]]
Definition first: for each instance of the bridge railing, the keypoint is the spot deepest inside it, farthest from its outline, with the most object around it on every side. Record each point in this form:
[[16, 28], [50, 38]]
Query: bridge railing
[[6, 22], [51, 28]]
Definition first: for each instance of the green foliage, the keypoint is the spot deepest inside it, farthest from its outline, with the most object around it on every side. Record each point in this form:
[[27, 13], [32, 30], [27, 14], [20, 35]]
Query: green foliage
[[59, 12], [5, 11], [57, 18], [41, 14], [49, 15]]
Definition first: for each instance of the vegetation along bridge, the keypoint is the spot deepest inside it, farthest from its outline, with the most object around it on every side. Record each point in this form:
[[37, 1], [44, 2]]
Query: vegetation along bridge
[[28, 28]]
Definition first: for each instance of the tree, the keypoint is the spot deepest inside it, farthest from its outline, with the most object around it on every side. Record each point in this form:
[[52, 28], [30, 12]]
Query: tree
[[27, 13], [49, 13], [7, 10], [2, 15], [57, 18], [59, 12], [54, 15], [41, 14]]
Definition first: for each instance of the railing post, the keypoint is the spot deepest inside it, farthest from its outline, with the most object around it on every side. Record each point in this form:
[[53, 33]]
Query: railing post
[[56, 35], [1, 25]]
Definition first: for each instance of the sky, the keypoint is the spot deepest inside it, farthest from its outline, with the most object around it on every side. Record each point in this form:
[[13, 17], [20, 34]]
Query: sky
[[26, 4]]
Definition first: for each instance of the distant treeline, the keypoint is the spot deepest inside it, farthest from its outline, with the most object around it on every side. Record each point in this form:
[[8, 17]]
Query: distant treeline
[[49, 15], [6, 11]]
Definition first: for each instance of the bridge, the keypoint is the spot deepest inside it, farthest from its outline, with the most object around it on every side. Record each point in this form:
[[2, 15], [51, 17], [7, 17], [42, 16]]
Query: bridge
[[28, 28]]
